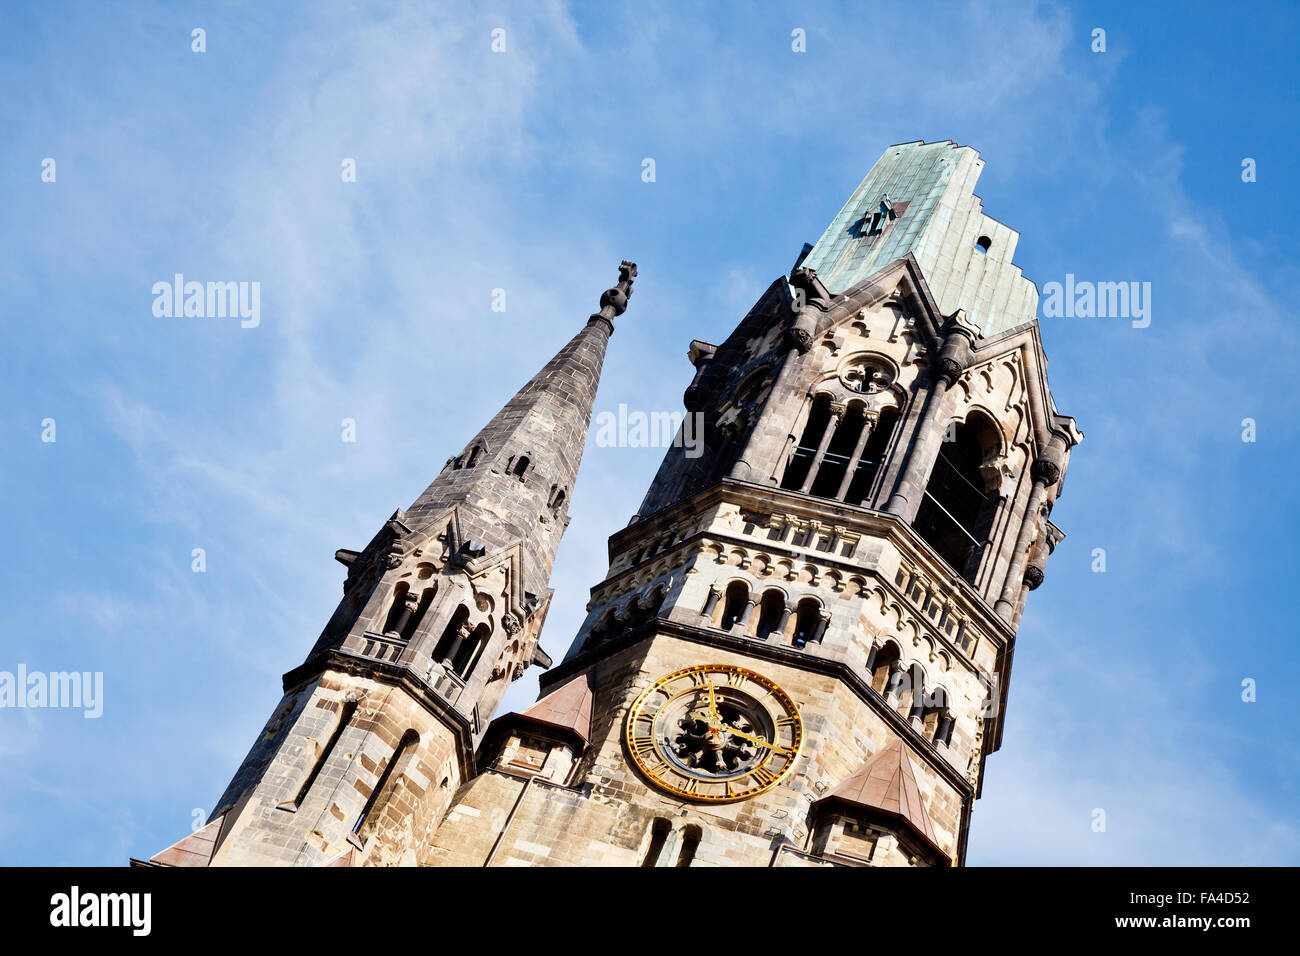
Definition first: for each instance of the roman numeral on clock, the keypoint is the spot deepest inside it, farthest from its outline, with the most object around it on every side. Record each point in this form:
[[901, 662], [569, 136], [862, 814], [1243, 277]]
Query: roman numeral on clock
[[762, 776]]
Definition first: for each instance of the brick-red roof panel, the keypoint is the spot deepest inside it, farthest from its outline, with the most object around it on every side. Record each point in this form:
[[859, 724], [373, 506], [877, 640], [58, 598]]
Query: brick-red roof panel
[[886, 782], [194, 850], [568, 708]]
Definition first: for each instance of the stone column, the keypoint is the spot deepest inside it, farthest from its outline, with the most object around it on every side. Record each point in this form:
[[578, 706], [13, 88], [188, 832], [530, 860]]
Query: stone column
[[785, 620], [943, 732], [868, 422], [410, 602], [809, 295], [916, 713], [953, 357], [832, 423], [462, 633], [743, 621], [1045, 471], [891, 685], [715, 592], [744, 428], [819, 629], [729, 433], [1036, 570]]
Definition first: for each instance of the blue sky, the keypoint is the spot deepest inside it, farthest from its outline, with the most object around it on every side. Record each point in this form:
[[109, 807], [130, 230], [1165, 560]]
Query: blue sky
[[522, 171]]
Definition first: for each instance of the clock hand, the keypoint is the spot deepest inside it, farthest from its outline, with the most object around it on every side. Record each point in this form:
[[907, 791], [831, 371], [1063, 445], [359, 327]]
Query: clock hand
[[713, 703], [766, 744]]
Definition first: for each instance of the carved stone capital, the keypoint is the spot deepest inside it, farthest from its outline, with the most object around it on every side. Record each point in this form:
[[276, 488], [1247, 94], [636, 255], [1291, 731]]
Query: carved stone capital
[[948, 369], [798, 339], [1046, 470], [954, 356]]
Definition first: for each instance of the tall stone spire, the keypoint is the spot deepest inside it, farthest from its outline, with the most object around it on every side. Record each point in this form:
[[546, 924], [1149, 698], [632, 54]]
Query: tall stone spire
[[440, 612], [513, 481]]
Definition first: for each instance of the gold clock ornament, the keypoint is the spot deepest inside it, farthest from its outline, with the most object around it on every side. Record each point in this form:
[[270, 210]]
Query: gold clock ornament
[[714, 732]]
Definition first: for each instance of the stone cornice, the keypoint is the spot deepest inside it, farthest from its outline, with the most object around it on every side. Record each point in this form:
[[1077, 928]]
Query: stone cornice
[[396, 675], [866, 522]]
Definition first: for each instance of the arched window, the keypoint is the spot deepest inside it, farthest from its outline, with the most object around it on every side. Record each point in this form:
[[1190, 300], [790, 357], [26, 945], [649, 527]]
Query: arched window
[[397, 609], [808, 622], [734, 609], [983, 244], [771, 612], [473, 456], [754, 388], [468, 654], [602, 630], [819, 419], [911, 697], [453, 635], [408, 631], [936, 706], [647, 608], [521, 467], [836, 462], [393, 772], [885, 660], [957, 510], [658, 836], [406, 613], [690, 843]]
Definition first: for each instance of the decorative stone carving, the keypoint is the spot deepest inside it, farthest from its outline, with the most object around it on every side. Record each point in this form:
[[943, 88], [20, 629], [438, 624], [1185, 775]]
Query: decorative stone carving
[[954, 355], [1046, 470], [799, 339], [866, 376]]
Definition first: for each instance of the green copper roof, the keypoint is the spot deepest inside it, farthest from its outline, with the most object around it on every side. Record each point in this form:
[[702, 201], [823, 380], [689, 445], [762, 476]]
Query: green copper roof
[[930, 210]]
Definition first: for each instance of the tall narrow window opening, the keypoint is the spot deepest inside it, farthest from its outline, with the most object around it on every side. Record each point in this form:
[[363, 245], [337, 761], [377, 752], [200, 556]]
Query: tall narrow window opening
[[345, 718], [379, 796], [956, 510]]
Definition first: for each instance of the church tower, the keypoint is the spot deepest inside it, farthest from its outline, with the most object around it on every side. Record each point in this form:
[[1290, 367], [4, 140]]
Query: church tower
[[801, 652], [378, 727]]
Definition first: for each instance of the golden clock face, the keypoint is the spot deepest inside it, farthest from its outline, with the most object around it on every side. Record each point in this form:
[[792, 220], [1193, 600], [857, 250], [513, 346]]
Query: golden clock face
[[714, 732]]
